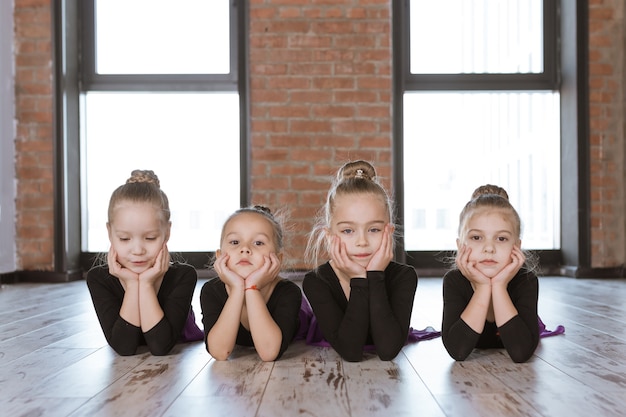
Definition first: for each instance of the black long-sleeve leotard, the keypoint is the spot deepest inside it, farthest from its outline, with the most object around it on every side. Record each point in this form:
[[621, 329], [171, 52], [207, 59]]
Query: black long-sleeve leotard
[[378, 311], [283, 305], [174, 296], [519, 336]]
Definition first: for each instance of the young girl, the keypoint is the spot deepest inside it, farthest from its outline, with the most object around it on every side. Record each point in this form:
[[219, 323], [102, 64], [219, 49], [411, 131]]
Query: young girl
[[490, 301], [360, 297], [248, 303], [140, 297]]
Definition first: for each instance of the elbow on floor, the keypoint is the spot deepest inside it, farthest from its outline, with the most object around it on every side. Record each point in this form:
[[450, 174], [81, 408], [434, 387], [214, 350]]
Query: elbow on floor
[[521, 354], [520, 358], [458, 355], [388, 355], [123, 352], [219, 356], [268, 357], [160, 351], [270, 354], [352, 356]]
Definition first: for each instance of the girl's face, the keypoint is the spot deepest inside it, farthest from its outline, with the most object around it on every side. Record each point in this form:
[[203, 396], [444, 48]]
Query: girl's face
[[359, 220], [137, 233], [248, 238], [491, 237]]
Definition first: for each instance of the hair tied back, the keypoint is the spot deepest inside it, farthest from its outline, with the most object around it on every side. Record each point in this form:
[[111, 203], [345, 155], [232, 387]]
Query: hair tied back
[[490, 189], [143, 176], [263, 209]]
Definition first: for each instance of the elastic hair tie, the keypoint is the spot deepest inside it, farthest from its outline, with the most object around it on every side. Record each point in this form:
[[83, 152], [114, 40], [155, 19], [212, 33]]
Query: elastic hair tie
[[359, 174], [253, 287]]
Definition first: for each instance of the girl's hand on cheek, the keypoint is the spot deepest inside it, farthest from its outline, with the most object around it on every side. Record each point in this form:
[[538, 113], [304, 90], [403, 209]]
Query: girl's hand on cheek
[[227, 276], [341, 260], [508, 272], [468, 267], [266, 273], [384, 254], [117, 270], [160, 267]]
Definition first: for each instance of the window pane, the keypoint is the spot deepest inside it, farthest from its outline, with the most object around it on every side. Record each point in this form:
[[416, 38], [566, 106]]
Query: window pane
[[191, 141], [162, 37], [454, 142], [476, 36]]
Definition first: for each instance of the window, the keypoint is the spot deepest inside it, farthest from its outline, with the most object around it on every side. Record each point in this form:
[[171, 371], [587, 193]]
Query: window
[[160, 91], [480, 105]]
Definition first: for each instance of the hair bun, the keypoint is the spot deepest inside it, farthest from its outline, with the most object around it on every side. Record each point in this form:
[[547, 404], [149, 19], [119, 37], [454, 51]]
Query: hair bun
[[490, 189], [357, 170], [264, 209], [146, 176]]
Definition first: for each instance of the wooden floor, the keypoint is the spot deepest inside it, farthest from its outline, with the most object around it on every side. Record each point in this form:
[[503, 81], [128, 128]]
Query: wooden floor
[[54, 361]]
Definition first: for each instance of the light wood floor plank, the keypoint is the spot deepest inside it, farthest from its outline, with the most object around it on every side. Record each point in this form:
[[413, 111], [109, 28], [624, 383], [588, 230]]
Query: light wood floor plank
[[48, 407], [552, 392], [388, 388], [225, 388], [17, 347], [86, 377], [149, 388], [34, 322], [54, 361], [19, 376], [487, 405], [583, 365], [604, 297], [310, 381]]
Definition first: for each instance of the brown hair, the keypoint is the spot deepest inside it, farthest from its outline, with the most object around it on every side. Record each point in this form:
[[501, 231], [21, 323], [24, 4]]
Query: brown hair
[[143, 186], [278, 221], [357, 177], [275, 220]]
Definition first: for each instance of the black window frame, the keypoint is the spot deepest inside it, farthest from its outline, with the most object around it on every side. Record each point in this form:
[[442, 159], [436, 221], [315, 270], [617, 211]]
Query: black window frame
[[235, 80], [92, 81], [557, 23], [548, 79], [574, 259]]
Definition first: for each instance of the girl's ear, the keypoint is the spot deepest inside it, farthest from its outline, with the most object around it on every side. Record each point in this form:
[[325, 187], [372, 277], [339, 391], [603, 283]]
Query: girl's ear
[[279, 255], [218, 253], [109, 231], [458, 244], [519, 243]]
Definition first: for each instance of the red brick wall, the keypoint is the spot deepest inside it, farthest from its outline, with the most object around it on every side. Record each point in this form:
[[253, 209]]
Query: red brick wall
[[320, 76], [34, 141], [606, 104]]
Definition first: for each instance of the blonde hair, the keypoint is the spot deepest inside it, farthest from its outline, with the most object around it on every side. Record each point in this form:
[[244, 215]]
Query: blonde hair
[[143, 186], [490, 189], [487, 197], [353, 178]]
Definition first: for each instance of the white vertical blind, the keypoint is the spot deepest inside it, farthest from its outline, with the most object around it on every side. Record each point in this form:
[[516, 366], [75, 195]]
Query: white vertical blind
[[476, 36]]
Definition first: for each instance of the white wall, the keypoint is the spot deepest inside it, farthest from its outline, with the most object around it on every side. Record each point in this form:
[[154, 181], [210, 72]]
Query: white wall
[[7, 137]]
